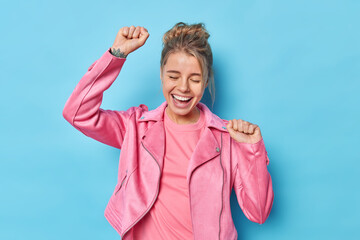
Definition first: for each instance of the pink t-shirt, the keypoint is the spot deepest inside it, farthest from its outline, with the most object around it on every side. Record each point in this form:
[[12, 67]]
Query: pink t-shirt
[[169, 217]]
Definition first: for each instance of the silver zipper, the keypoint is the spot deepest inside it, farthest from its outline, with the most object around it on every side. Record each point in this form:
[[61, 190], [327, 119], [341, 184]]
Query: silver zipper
[[157, 192], [121, 184], [222, 188], [192, 224]]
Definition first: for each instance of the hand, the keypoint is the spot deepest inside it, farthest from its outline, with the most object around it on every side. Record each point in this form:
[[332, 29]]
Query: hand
[[243, 131], [128, 39]]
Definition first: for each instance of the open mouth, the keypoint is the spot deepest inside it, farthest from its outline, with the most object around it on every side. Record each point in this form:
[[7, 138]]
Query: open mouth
[[181, 99]]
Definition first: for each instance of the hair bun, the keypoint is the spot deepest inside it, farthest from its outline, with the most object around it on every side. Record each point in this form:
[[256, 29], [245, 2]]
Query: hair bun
[[182, 29]]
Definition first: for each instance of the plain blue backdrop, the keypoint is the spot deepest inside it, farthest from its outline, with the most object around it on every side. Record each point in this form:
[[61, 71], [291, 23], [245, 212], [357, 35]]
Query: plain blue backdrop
[[292, 67]]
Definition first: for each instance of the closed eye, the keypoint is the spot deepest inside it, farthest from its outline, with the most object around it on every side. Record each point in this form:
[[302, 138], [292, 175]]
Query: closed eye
[[196, 81]]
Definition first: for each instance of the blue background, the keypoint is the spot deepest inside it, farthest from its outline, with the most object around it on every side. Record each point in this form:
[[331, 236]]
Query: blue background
[[292, 67]]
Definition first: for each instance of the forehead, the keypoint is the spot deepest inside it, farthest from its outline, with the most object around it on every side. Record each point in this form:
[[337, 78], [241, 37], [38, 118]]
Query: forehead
[[182, 62]]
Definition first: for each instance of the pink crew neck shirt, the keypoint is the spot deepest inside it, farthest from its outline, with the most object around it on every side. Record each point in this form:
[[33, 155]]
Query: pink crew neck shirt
[[170, 217]]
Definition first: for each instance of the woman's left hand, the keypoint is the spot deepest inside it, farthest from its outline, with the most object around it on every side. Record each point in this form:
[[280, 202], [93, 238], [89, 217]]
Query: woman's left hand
[[243, 131]]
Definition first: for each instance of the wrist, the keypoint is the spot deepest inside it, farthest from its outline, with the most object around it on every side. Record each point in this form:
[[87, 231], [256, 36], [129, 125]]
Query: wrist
[[115, 51]]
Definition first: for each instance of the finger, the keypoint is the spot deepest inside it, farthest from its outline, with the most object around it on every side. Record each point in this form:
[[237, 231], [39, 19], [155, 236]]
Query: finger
[[244, 126], [241, 126], [230, 129], [144, 35], [251, 128], [256, 129], [143, 31], [235, 124], [131, 31], [230, 123], [125, 31], [136, 32]]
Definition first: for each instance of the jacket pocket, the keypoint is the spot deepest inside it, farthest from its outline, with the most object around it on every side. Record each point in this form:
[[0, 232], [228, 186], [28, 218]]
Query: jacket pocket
[[122, 182]]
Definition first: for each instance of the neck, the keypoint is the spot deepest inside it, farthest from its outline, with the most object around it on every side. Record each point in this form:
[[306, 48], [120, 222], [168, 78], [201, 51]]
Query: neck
[[192, 117]]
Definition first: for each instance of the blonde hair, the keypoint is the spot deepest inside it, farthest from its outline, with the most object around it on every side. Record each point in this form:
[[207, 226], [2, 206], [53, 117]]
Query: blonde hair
[[191, 39]]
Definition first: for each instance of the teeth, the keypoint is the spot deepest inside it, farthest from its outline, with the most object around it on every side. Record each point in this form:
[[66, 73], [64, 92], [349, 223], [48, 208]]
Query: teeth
[[181, 98]]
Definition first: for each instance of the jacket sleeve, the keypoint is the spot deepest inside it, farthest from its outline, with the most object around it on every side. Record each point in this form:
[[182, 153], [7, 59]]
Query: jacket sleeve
[[252, 181], [82, 109]]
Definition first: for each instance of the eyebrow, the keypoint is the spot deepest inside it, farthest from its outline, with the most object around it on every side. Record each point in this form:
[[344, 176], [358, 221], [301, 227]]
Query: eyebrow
[[173, 71]]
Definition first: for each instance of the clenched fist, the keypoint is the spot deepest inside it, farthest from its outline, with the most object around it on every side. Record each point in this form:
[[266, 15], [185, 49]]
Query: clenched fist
[[128, 39], [243, 131]]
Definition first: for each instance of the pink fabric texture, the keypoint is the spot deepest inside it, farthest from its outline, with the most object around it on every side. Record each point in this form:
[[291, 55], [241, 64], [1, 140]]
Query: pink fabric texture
[[170, 218], [217, 165]]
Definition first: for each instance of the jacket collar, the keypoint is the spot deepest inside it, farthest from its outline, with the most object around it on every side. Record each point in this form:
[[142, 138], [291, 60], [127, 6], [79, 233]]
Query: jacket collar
[[211, 120], [207, 148]]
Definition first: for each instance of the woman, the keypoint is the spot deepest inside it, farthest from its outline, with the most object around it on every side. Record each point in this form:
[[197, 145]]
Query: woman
[[179, 162]]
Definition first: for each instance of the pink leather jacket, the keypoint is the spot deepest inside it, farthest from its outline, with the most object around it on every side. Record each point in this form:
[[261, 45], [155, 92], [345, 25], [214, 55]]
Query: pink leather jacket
[[218, 163]]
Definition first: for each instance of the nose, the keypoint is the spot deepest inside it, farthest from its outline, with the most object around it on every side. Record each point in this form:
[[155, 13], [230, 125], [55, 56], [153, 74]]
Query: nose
[[183, 85]]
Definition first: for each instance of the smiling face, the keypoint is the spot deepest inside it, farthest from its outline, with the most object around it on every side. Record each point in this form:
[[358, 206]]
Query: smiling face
[[183, 87]]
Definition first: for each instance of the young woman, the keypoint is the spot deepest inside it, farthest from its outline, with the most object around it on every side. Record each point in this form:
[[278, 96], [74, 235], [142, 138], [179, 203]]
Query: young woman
[[178, 162]]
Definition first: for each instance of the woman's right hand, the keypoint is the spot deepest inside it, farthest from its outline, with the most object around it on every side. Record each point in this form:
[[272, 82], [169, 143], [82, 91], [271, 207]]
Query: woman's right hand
[[128, 39]]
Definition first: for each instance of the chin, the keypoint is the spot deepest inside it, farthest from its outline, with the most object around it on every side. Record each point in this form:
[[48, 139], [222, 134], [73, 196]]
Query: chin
[[181, 111]]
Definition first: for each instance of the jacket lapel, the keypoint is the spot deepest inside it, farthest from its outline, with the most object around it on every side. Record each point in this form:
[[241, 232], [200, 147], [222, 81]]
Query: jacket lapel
[[206, 149], [154, 141]]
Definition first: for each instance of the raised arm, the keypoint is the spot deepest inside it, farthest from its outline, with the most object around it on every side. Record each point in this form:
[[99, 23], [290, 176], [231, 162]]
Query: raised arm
[[252, 181], [82, 109]]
